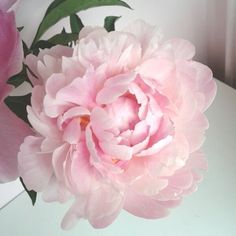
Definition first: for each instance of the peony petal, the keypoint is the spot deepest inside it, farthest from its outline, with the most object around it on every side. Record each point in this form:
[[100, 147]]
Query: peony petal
[[79, 92], [43, 124], [206, 84], [120, 152], [13, 131], [54, 83], [92, 32], [156, 147], [124, 114], [154, 116], [114, 88], [144, 207], [99, 213], [55, 191], [74, 112], [169, 194], [37, 96], [140, 132], [197, 160], [32, 61], [194, 131], [82, 172], [34, 167], [54, 107], [72, 68], [171, 203], [103, 213], [76, 211], [49, 144], [91, 145], [141, 98], [72, 132], [58, 160], [182, 49], [148, 36], [101, 123], [148, 186], [158, 68], [182, 179], [11, 52]]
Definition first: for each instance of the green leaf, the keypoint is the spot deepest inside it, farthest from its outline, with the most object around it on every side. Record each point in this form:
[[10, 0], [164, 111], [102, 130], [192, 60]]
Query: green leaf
[[32, 194], [63, 30], [18, 79], [26, 49], [66, 8], [20, 28], [75, 24], [109, 23], [41, 44], [17, 104], [63, 38], [53, 5]]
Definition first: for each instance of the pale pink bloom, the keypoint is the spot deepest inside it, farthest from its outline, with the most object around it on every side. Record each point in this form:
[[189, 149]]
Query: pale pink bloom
[[12, 129], [11, 53], [119, 121]]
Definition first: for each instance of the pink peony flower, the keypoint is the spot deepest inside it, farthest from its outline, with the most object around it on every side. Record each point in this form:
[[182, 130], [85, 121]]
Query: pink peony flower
[[119, 122], [11, 52], [12, 129], [9, 5]]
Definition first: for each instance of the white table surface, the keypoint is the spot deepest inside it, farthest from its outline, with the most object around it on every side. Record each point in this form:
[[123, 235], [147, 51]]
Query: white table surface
[[211, 211]]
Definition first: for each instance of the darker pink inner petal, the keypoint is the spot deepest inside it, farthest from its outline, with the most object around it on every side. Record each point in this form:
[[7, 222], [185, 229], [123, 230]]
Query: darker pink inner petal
[[124, 112]]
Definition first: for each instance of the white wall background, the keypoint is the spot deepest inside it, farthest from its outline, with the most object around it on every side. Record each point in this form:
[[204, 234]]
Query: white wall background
[[176, 18], [209, 24]]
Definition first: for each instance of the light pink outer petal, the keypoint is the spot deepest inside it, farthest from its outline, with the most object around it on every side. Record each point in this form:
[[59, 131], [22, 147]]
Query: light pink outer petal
[[206, 83], [144, 207], [12, 134], [194, 131], [82, 173], [76, 211], [148, 36], [150, 67], [56, 191], [101, 208], [34, 166], [103, 213], [148, 186], [182, 49]]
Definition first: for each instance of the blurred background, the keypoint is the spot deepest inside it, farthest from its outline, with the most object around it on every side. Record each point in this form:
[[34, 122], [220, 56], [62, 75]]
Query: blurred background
[[209, 24]]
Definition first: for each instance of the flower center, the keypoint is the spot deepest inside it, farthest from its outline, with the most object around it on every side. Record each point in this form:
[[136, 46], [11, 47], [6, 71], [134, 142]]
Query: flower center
[[114, 161], [124, 113], [84, 120]]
